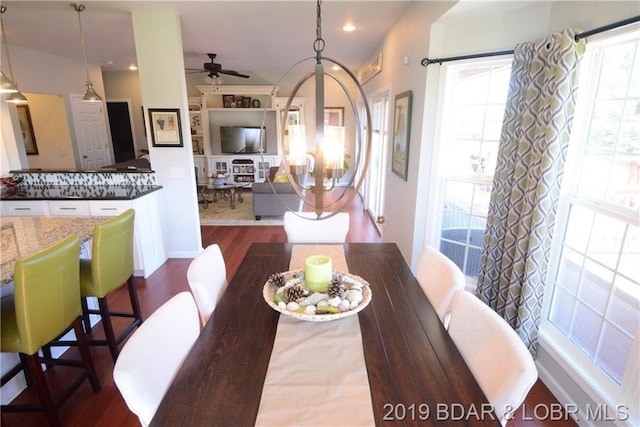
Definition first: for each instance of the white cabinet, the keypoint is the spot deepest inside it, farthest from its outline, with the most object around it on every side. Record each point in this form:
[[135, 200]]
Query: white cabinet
[[216, 96], [215, 115], [25, 208], [68, 208], [109, 207], [241, 169], [150, 249]]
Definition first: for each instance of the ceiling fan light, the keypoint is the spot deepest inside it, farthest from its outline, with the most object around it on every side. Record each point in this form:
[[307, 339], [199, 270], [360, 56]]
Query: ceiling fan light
[[90, 95], [17, 98], [6, 84]]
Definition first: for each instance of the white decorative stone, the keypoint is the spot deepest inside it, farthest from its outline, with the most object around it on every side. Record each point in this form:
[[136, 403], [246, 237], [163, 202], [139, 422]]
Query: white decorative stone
[[282, 305], [293, 306], [353, 296], [344, 305], [335, 301]]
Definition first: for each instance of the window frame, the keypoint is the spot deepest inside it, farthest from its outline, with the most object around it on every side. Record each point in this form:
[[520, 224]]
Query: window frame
[[579, 366]]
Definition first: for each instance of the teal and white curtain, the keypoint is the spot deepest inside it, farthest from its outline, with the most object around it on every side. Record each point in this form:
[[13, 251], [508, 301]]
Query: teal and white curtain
[[526, 183]]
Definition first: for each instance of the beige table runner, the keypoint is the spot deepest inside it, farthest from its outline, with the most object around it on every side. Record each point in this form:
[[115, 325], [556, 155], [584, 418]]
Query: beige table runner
[[317, 374]]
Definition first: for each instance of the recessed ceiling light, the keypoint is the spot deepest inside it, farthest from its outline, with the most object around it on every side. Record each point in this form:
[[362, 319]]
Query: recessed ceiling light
[[349, 27], [133, 67], [336, 68]]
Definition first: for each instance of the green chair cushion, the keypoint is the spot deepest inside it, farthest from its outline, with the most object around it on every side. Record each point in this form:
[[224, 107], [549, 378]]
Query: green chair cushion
[[46, 297], [111, 262], [10, 340]]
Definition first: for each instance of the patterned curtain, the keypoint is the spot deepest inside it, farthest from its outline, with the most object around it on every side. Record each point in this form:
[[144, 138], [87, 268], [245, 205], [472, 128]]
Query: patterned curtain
[[526, 183]]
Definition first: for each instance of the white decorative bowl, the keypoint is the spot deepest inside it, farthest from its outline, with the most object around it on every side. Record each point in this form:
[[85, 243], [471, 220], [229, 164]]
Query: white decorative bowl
[[269, 293]]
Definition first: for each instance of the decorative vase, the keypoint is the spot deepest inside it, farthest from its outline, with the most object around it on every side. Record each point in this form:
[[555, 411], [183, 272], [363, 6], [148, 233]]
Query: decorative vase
[[255, 103]]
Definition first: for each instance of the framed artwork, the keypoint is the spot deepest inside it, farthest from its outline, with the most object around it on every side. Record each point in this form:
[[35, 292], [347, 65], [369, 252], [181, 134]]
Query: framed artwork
[[166, 130], [26, 128], [401, 134], [333, 116]]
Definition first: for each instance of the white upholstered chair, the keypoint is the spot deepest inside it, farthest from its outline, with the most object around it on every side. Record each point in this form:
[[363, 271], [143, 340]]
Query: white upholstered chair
[[207, 277], [151, 357], [299, 229], [493, 351], [440, 279]]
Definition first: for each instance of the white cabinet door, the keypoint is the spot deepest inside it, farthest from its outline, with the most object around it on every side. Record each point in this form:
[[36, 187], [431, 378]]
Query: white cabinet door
[[68, 208], [108, 207], [25, 208]]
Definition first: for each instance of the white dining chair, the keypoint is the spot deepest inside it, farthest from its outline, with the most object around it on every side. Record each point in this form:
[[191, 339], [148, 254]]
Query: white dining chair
[[302, 228], [152, 356], [493, 351], [440, 279], [207, 277]]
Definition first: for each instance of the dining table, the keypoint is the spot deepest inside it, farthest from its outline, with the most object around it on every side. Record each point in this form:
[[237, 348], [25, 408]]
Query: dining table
[[252, 365], [21, 237]]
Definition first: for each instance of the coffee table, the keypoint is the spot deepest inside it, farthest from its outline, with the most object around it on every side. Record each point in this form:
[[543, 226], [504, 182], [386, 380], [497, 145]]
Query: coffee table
[[226, 191]]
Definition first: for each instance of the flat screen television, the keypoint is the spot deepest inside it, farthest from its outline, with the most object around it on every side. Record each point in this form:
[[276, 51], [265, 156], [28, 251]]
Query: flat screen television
[[242, 139]]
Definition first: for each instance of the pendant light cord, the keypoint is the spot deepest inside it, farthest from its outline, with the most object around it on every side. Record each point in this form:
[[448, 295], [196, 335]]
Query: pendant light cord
[[3, 9], [79, 8]]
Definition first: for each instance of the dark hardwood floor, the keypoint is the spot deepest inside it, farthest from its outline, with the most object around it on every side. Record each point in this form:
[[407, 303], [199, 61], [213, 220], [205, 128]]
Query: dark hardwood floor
[[106, 408]]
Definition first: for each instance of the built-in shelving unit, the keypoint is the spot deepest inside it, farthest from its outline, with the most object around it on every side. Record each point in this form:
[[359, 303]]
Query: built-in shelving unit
[[221, 106]]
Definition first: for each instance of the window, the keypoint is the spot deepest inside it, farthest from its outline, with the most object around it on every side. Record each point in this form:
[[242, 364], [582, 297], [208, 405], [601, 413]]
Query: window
[[475, 96], [595, 285]]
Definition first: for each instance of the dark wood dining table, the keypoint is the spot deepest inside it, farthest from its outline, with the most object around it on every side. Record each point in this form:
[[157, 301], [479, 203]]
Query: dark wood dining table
[[416, 374]]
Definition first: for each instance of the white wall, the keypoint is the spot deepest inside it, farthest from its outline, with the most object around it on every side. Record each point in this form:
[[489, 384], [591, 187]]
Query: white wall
[[40, 73], [161, 69], [51, 130], [409, 37]]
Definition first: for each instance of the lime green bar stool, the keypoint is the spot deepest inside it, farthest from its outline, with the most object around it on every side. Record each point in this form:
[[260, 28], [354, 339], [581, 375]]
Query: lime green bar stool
[[46, 303], [110, 266]]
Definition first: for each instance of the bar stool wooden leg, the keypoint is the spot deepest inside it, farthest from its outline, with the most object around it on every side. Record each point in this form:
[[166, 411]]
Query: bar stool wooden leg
[[85, 355], [133, 296], [86, 317], [108, 327], [33, 363]]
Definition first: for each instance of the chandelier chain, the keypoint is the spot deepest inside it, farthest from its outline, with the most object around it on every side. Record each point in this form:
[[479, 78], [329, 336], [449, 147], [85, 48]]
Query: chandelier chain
[[318, 44]]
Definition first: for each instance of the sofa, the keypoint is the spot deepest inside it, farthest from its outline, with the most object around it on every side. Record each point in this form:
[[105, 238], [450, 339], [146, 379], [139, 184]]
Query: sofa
[[266, 203]]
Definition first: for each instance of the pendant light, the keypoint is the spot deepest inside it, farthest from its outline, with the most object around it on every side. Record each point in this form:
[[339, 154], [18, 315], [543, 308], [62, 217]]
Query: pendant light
[[8, 85], [329, 154], [90, 94]]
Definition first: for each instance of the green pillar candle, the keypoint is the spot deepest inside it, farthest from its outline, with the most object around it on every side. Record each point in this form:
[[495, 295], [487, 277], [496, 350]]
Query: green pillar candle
[[317, 271]]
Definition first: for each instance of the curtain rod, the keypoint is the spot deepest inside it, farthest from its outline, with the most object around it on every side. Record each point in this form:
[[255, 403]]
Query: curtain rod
[[426, 61]]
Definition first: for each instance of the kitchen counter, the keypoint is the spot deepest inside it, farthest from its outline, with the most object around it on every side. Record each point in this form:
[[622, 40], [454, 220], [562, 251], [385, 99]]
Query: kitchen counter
[[25, 236], [77, 192]]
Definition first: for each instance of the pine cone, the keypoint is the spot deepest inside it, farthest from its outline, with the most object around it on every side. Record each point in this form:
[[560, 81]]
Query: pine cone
[[293, 293], [335, 289], [277, 280]]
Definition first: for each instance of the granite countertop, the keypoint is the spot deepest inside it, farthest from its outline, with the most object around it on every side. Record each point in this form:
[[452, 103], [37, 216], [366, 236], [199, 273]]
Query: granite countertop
[[25, 236], [78, 192]]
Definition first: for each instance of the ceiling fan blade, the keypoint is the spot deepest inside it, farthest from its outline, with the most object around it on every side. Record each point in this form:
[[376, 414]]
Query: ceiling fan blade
[[234, 73]]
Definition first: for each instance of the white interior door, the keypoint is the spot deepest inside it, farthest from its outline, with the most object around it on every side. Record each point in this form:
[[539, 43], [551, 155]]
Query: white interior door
[[91, 133], [375, 182]]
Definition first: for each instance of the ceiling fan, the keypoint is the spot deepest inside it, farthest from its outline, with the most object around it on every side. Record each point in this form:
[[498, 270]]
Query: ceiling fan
[[214, 69]]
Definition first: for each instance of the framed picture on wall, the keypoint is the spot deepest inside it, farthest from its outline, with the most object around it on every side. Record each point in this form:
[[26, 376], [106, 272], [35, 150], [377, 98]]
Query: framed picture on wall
[[401, 134], [166, 130], [26, 128], [333, 116]]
